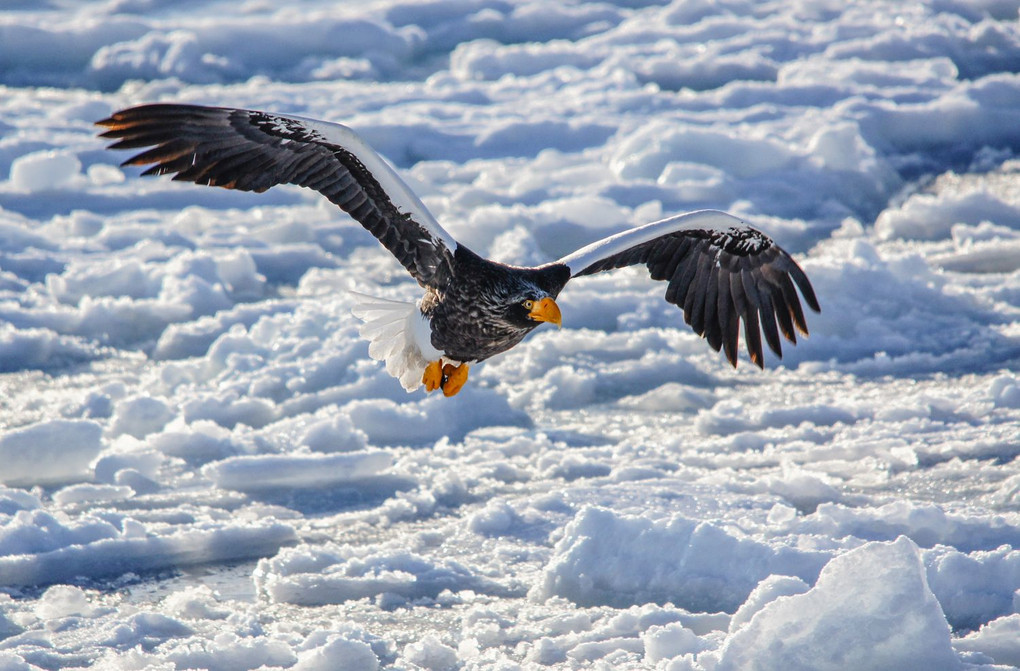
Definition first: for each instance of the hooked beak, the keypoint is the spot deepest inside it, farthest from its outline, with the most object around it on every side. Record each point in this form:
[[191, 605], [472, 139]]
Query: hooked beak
[[546, 310]]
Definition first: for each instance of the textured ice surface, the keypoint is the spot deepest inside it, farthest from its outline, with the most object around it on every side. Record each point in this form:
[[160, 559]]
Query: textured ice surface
[[202, 467]]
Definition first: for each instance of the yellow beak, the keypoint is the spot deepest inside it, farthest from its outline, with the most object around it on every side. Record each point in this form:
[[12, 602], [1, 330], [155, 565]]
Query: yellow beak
[[546, 310]]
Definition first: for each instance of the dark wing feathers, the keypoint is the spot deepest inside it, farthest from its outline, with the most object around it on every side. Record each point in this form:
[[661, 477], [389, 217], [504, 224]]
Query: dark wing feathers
[[719, 275], [254, 151], [719, 271]]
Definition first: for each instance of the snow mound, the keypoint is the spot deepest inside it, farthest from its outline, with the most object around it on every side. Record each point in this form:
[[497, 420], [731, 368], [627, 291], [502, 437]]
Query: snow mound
[[50, 452], [252, 473], [309, 576], [608, 558], [926, 525], [999, 640], [386, 422], [45, 171], [870, 609], [338, 653], [36, 548]]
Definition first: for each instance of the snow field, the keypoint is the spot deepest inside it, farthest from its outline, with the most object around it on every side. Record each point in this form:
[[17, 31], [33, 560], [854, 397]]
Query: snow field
[[201, 466]]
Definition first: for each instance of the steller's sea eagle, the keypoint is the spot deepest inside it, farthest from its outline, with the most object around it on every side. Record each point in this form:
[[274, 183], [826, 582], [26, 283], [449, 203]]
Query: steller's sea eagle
[[718, 270]]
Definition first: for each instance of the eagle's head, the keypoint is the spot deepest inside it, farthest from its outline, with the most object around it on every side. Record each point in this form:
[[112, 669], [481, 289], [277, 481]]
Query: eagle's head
[[531, 309], [522, 304]]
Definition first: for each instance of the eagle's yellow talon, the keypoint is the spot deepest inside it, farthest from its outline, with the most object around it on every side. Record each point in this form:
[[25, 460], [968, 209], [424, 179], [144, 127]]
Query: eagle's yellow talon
[[433, 376], [455, 376]]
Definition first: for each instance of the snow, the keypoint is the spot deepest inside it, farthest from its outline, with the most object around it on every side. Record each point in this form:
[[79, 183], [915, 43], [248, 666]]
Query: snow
[[247, 473], [998, 640], [430, 653], [604, 558], [38, 549], [834, 624], [201, 465], [57, 450], [44, 171], [338, 574], [338, 653]]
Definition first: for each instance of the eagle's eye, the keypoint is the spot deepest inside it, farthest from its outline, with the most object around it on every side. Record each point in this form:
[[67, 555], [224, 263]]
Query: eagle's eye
[[528, 304]]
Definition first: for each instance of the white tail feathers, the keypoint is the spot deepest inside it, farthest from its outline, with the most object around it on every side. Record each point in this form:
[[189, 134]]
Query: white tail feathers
[[398, 334]]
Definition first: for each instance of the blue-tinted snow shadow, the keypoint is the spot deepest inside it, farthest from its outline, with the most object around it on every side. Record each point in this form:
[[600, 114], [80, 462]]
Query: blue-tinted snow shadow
[[366, 493]]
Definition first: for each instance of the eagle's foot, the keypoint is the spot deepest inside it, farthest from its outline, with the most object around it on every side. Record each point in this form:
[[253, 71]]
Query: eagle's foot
[[433, 377], [454, 378]]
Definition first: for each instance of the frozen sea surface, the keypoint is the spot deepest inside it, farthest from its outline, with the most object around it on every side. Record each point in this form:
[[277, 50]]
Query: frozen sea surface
[[201, 467]]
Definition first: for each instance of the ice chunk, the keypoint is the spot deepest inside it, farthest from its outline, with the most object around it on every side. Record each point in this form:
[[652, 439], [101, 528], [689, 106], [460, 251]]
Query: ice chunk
[[767, 591], [311, 576], [249, 473], [606, 558], [339, 653], [63, 601], [431, 653], [140, 416], [38, 549], [52, 451], [45, 171], [871, 609], [999, 639]]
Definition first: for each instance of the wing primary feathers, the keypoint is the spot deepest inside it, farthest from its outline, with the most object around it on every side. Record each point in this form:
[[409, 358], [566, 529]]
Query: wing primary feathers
[[783, 315], [672, 291], [684, 277], [253, 151], [766, 275], [783, 311], [752, 334], [767, 313], [157, 169], [729, 310], [713, 330], [725, 314], [720, 272], [164, 153], [794, 312], [804, 284], [695, 301], [662, 268]]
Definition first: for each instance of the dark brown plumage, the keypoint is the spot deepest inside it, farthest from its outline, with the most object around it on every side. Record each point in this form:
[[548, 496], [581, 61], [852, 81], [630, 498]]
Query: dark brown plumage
[[718, 270], [253, 151], [721, 277]]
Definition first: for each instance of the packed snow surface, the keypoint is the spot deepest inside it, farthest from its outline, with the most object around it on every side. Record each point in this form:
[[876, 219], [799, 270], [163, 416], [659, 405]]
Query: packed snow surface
[[202, 468]]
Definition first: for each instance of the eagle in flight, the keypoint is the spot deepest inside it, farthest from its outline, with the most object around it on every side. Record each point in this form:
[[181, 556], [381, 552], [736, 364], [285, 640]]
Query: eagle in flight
[[718, 270]]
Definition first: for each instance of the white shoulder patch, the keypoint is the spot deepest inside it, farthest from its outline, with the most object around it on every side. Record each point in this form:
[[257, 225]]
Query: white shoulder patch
[[402, 196], [398, 334], [711, 220]]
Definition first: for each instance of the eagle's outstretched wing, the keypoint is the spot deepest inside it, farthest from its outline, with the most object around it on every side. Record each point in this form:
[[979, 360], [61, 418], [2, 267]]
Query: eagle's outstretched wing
[[719, 272], [253, 151]]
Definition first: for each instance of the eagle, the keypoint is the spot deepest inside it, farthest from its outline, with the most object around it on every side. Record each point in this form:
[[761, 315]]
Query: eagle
[[718, 270]]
